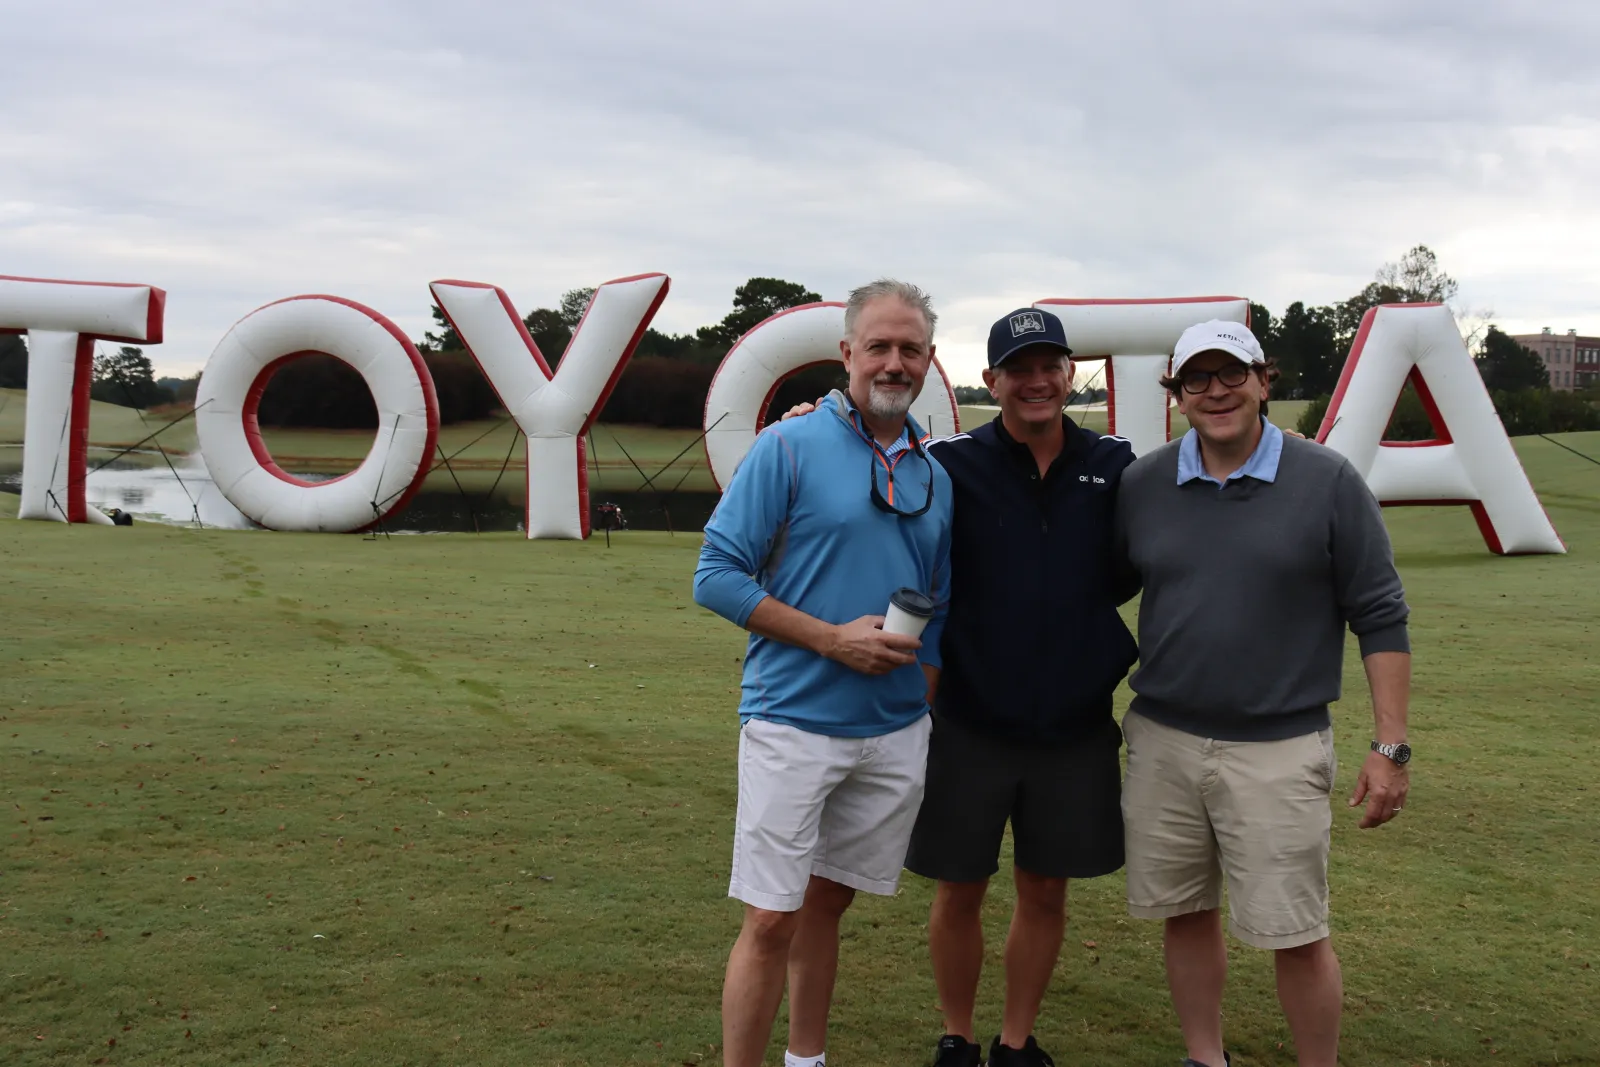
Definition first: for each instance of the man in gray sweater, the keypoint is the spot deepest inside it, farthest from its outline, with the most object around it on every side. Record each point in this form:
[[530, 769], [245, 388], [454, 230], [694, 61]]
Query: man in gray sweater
[[1255, 551]]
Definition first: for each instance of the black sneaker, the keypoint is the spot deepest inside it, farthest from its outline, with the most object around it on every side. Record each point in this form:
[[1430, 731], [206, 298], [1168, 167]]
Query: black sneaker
[[956, 1051], [1029, 1055], [1227, 1061]]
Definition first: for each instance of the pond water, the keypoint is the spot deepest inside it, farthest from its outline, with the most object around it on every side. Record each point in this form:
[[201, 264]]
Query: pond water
[[157, 494], [186, 494], [433, 511]]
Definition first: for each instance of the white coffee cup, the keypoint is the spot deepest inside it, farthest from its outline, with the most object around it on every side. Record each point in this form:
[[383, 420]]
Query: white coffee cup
[[909, 611]]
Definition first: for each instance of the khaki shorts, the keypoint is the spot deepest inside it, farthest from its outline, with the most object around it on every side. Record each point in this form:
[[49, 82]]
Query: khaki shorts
[[1256, 812]]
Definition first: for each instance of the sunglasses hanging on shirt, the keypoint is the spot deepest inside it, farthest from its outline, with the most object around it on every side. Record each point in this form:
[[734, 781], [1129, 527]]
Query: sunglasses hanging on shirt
[[886, 503]]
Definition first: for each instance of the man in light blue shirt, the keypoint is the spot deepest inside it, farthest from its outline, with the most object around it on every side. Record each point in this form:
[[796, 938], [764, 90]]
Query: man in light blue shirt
[[1262, 464], [805, 553]]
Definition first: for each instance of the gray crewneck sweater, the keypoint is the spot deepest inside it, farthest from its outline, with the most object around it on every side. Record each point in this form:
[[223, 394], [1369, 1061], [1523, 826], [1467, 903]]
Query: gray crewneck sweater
[[1248, 590]]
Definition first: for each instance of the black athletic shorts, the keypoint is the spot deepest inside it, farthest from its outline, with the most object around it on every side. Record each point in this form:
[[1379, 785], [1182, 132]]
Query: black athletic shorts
[[1064, 805]]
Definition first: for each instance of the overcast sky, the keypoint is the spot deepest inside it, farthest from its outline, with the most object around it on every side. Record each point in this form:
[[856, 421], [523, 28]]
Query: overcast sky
[[995, 153]]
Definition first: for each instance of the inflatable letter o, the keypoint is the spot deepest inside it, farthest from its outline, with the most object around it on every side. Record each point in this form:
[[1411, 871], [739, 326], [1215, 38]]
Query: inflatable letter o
[[790, 341], [237, 374]]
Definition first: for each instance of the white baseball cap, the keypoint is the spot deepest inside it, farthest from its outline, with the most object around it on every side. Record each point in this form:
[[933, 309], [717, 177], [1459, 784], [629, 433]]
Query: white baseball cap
[[1218, 335]]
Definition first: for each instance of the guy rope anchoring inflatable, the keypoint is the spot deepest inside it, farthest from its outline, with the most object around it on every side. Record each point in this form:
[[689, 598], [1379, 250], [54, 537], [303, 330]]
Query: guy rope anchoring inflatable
[[63, 320], [230, 437], [556, 410], [1469, 462]]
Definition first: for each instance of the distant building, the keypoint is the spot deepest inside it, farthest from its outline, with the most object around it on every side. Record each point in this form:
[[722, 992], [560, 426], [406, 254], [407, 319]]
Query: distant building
[[1573, 361]]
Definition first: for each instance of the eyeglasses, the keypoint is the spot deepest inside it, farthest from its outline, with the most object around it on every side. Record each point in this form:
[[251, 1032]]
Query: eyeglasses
[[883, 503], [1232, 375]]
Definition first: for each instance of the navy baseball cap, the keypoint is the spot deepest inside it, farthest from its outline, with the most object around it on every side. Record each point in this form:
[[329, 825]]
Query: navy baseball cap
[[1024, 328]]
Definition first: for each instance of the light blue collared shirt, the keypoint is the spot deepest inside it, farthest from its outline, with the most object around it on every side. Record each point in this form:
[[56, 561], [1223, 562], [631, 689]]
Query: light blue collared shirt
[[900, 444], [1262, 464], [791, 526]]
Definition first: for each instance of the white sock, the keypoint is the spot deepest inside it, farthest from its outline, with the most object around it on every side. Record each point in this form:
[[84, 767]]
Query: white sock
[[791, 1060]]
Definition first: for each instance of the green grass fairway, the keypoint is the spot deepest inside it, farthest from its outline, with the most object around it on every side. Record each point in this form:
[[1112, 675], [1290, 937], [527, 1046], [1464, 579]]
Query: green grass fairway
[[292, 799], [108, 423]]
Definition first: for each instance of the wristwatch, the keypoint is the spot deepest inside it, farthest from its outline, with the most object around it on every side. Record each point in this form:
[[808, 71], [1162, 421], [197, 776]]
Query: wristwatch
[[1400, 752]]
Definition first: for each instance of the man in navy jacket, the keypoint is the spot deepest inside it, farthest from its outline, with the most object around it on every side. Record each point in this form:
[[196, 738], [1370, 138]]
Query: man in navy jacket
[[1033, 650]]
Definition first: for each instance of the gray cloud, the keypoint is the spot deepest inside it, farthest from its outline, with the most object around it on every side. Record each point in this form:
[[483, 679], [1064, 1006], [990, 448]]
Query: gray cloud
[[994, 153]]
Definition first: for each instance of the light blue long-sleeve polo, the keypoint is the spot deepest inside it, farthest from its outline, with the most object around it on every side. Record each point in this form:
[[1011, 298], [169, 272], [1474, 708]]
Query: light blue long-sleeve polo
[[797, 523], [1262, 464]]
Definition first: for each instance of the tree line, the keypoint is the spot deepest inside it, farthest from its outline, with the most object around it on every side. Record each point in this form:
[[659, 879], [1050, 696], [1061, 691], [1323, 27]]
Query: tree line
[[1310, 346], [13, 361], [1519, 386], [1310, 343], [124, 377], [979, 394], [664, 384], [666, 381]]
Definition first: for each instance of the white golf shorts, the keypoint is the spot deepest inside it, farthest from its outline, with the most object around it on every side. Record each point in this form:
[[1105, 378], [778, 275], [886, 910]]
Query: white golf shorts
[[841, 808]]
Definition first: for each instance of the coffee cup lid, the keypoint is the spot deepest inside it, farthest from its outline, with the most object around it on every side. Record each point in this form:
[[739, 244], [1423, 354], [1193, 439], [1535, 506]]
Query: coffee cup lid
[[912, 602]]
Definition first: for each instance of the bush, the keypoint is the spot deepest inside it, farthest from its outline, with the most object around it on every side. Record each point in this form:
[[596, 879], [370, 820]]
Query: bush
[[655, 391], [319, 391], [1531, 411], [663, 391], [464, 393], [1570, 412], [1521, 411], [1311, 417], [806, 387], [180, 390], [13, 362], [1409, 422]]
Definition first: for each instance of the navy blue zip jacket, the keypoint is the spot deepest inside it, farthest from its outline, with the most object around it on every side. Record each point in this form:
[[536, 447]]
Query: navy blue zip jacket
[[1033, 647]]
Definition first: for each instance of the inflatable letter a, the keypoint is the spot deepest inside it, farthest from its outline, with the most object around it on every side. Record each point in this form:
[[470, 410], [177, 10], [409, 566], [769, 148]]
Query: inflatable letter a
[[554, 411], [1470, 462], [63, 320]]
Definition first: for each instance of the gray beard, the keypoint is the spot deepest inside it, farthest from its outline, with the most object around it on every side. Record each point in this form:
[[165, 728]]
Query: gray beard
[[883, 404]]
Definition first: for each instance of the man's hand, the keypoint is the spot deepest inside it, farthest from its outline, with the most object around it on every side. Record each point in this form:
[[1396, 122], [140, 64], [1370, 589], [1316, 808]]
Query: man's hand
[[863, 646], [1383, 785], [799, 409]]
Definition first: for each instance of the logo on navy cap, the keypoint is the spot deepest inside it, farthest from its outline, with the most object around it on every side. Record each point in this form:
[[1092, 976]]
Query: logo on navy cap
[[1025, 322]]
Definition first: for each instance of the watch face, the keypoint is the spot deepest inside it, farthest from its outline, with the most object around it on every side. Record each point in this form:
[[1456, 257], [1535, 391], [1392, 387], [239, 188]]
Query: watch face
[[1402, 753]]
